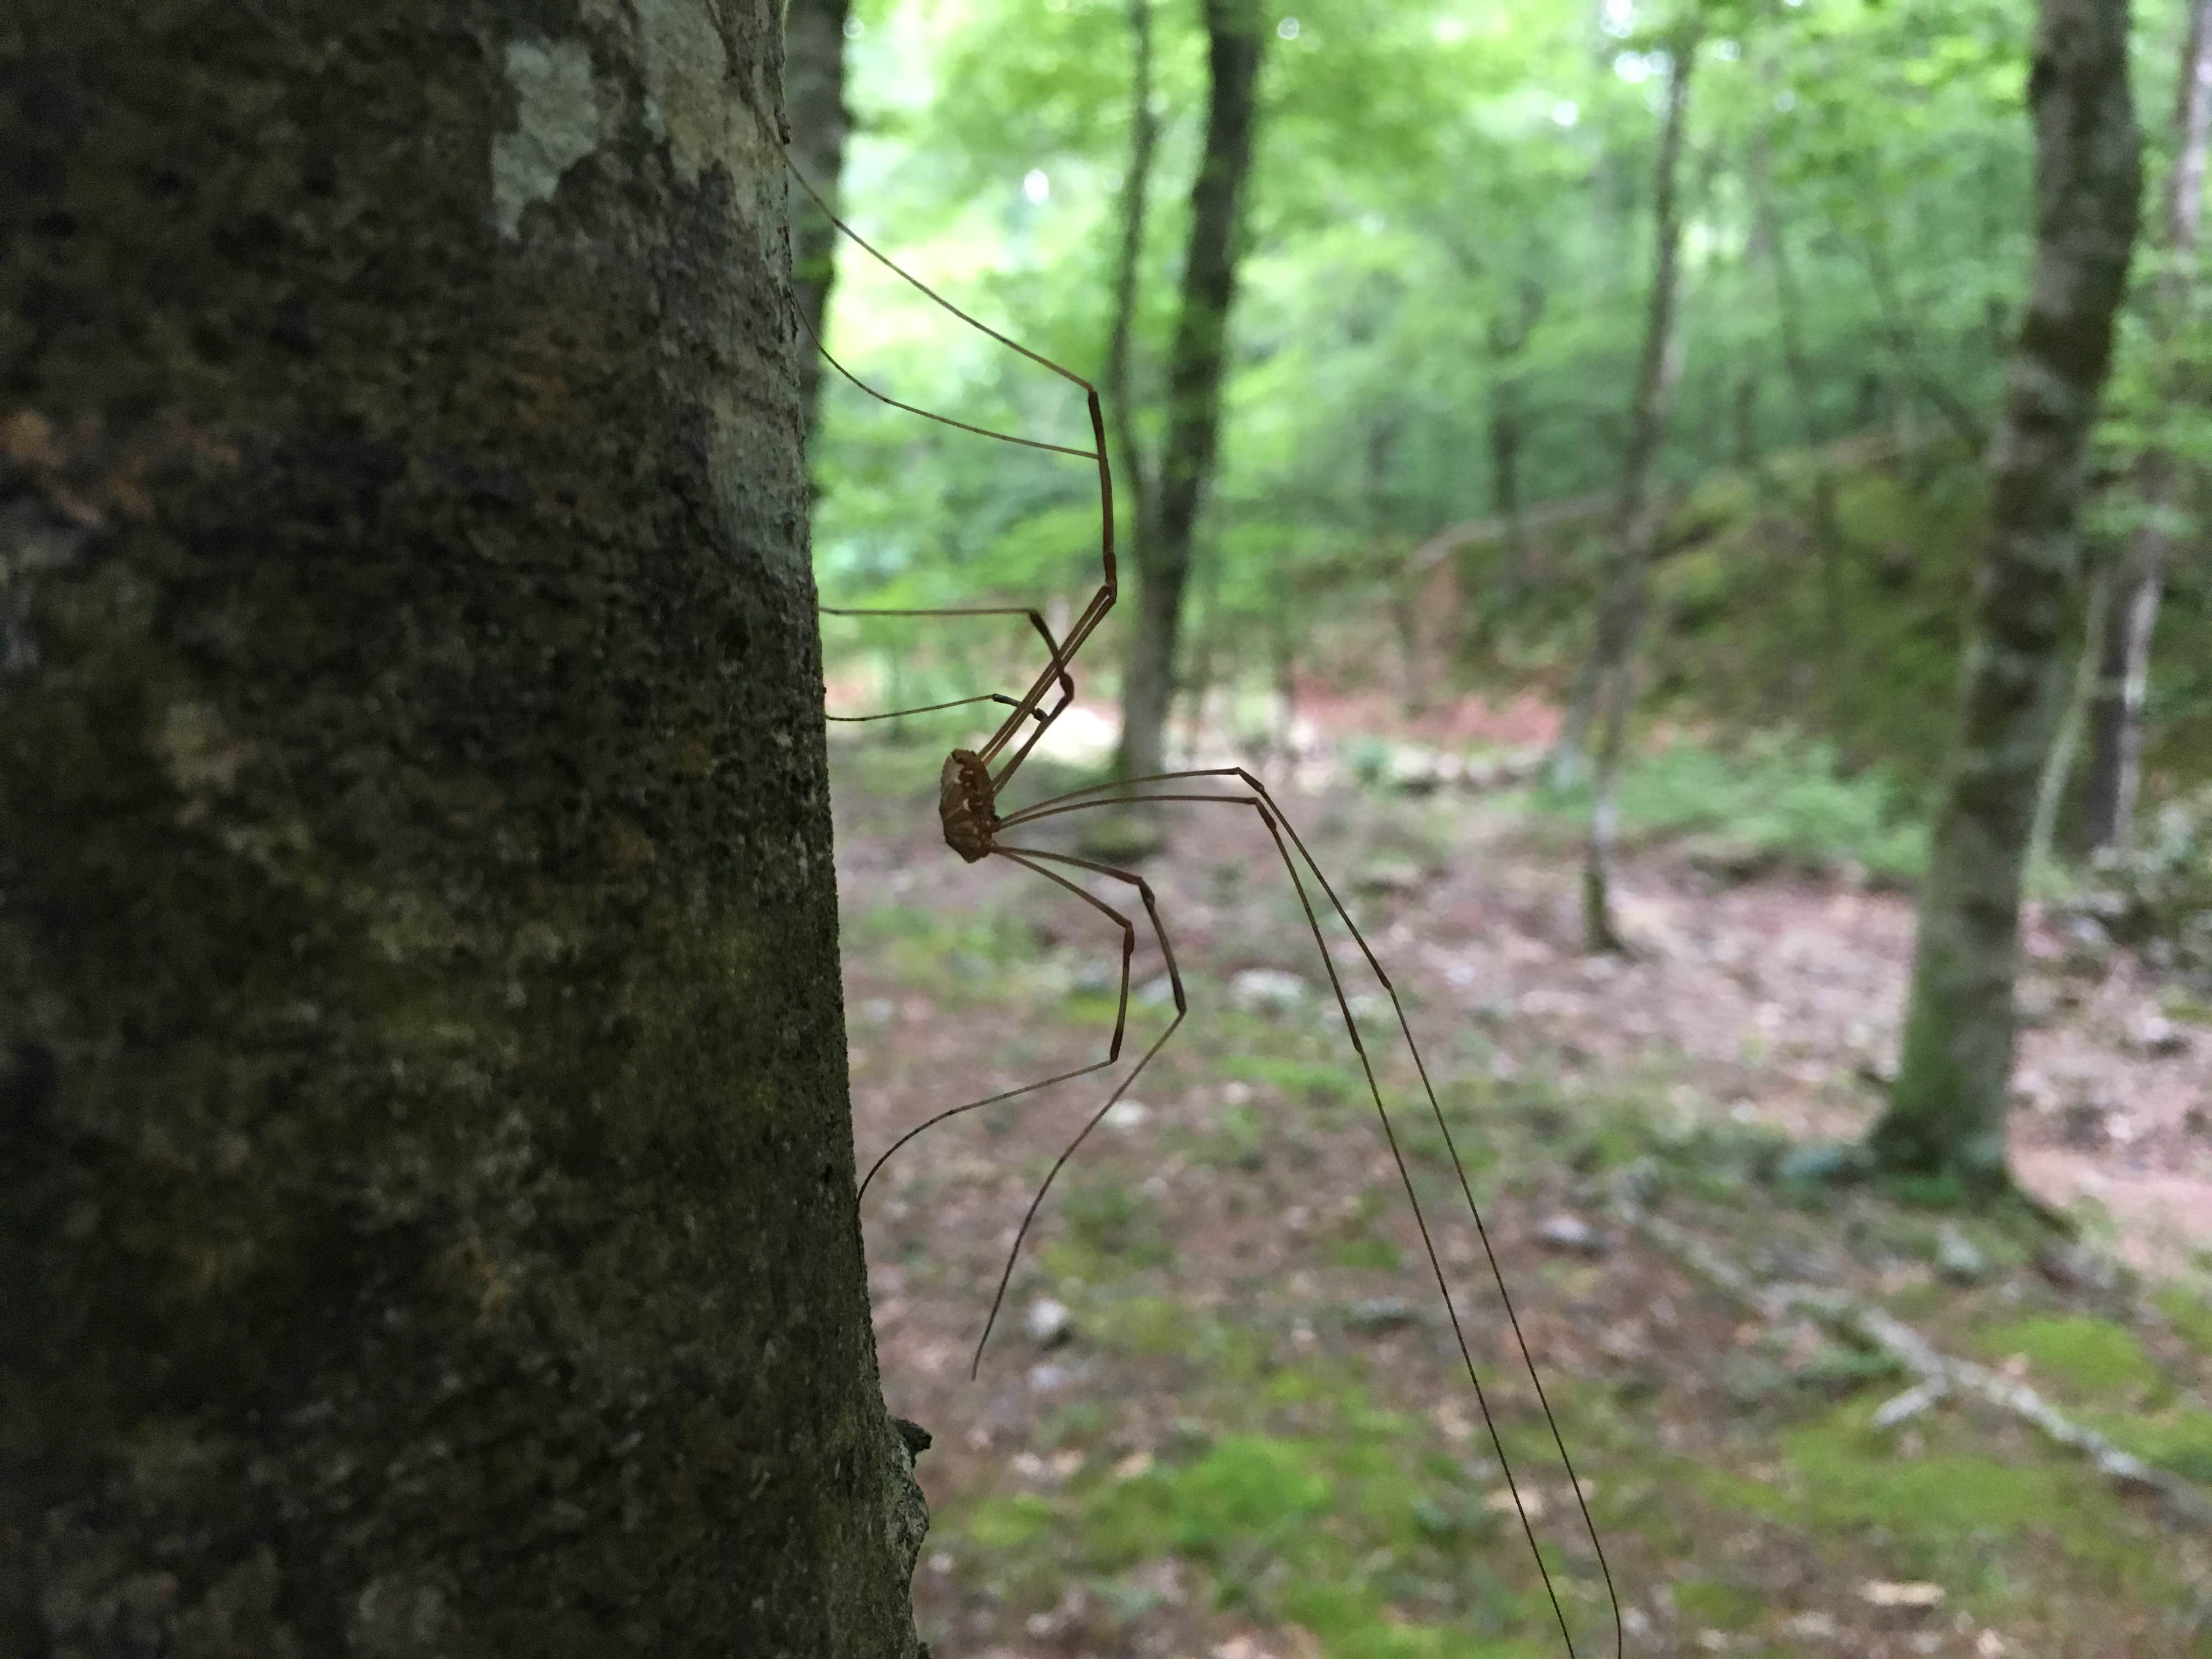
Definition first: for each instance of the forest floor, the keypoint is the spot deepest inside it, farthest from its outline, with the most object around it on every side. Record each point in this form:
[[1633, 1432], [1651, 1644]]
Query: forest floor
[[1222, 1415]]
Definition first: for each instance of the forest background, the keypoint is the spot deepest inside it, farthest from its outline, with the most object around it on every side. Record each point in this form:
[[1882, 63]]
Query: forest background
[[1439, 361]]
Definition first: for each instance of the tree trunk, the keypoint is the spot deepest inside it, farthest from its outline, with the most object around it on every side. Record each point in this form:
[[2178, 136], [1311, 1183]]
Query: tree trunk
[[2116, 717], [2058, 760], [426, 1177], [1136, 198], [1946, 1116], [814, 93], [1195, 371], [1611, 691]]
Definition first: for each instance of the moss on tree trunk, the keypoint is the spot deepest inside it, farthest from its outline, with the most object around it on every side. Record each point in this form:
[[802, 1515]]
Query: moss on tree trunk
[[424, 1154], [1946, 1115]]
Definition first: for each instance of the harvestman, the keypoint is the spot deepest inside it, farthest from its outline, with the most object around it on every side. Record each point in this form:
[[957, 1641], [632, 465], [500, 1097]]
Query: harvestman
[[968, 792]]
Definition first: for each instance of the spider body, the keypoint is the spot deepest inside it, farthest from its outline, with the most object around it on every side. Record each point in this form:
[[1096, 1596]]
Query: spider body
[[966, 804], [967, 809]]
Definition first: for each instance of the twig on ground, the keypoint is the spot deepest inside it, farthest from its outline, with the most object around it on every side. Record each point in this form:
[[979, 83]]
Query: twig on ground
[[1939, 1373]]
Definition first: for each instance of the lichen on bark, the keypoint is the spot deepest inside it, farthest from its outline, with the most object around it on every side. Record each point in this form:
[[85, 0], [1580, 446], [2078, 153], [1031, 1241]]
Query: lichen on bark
[[425, 1162], [1946, 1111]]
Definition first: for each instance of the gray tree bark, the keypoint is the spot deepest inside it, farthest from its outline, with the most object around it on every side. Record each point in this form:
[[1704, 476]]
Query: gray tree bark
[[1612, 673], [1946, 1114], [1193, 388], [2131, 618], [814, 94], [425, 1180]]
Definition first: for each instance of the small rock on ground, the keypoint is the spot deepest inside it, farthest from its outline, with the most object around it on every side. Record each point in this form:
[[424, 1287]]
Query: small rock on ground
[[1049, 1322], [1570, 1232]]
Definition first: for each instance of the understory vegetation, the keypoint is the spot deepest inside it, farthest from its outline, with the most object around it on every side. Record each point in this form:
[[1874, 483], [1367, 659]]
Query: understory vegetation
[[1221, 1405], [1579, 457]]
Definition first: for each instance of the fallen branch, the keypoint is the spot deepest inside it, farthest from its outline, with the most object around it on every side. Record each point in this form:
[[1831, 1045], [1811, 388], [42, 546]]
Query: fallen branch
[[1939, 1373]]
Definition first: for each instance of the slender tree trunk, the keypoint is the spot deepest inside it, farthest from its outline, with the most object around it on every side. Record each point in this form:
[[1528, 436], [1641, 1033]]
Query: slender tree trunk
[[1946, 1115], [426, 1177], [1136, 195], [814, 94], [1195, 371], [2058, 763], [2116, 716], [1620, 612]]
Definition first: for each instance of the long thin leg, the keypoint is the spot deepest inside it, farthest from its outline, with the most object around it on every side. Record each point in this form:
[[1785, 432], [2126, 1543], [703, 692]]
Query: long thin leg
[[1271, 814], [1113, 1048], [930, 709], [1036, 621], [1102, 601], [1023, 855]]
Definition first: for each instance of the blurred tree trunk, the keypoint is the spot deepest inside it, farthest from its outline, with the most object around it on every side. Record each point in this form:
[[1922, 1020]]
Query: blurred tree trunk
[[1946, 1115], [1136, 199], [1612, 674], [814, 95], [1620, 606], [1193, 381], [426, 1179], [2116, 714]]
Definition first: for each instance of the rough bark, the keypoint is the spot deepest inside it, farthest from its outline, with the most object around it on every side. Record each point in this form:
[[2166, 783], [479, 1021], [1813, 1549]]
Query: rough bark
[[1612, 673], [425, 1166], [814, 94], [1193, 381], [2123, 666], [1946, 1114]]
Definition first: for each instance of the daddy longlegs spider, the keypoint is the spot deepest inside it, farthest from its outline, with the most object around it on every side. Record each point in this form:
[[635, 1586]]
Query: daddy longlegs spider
[[969, 793]]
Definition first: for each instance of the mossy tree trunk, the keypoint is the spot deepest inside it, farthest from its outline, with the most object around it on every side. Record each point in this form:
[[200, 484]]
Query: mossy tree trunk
[[814, 88], [2131, 618], [425, 1153], [1611, 676], [1195, 362], [1946, 1110]]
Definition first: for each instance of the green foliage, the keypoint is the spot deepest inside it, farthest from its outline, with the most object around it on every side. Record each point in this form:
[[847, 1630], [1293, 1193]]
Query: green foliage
[[2083, 1356], [1774, 800], [1946, 1514], [2190, 1314], [1107, 1219]]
